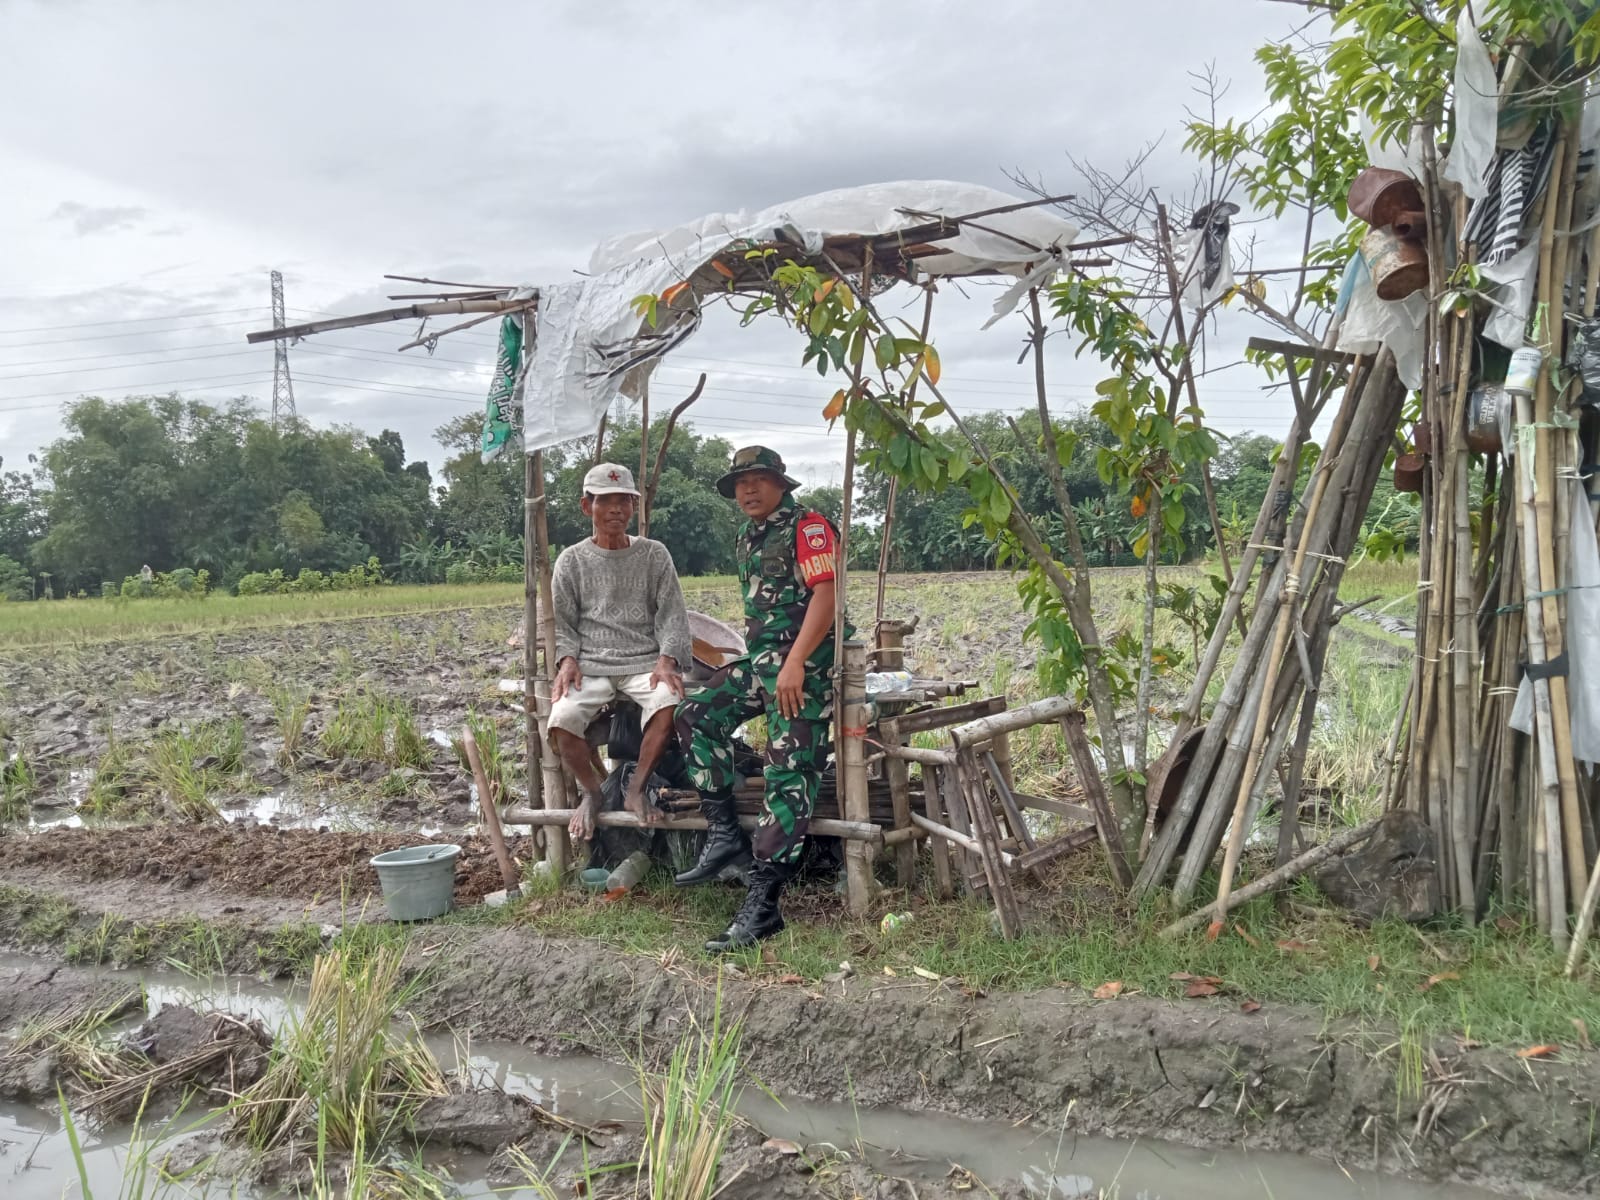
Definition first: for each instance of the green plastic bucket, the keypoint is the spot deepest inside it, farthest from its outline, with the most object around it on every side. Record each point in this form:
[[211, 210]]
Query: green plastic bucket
[[418, 881]]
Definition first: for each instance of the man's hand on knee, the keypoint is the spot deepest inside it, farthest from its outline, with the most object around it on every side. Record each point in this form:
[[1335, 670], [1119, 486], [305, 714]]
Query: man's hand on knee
[[667, 672], [568, 678]]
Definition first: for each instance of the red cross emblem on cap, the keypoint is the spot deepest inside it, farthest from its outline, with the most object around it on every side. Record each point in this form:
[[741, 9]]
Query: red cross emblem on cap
[[613, 476]]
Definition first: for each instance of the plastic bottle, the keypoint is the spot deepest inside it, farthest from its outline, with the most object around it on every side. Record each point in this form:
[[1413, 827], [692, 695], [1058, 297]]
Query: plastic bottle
[[881, 683], [629, 872]]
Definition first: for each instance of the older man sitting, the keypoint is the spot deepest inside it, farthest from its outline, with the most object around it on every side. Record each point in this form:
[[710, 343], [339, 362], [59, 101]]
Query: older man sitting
[[621, 629]]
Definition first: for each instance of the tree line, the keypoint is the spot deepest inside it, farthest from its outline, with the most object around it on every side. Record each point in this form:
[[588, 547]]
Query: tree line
[[178, 484]]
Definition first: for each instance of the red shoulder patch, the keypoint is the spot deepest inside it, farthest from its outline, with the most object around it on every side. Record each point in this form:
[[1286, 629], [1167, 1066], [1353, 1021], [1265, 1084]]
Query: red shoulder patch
[[815, 534]]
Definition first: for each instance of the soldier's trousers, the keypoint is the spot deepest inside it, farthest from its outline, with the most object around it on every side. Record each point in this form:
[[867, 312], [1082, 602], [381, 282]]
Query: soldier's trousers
[[797, 747]]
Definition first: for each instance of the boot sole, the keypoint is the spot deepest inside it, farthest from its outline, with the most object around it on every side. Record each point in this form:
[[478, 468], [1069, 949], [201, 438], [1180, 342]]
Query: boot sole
[[719, 947], [738, 860]]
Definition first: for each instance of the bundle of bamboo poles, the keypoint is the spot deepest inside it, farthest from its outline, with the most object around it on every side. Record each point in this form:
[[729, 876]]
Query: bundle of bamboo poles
[[1271, 691], [1512, 814]]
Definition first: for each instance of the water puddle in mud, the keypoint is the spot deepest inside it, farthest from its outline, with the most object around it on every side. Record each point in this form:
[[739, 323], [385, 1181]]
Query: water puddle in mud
[[36, 1162]]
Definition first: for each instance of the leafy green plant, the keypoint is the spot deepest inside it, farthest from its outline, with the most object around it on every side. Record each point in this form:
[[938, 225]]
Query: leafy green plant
[[1198, 607]]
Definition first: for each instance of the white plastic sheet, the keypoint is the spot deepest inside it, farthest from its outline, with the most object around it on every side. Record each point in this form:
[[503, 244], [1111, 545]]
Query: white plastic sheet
[[1512, 297], [1369, 323], [568, 387], [1583, 629], [1477, 111]]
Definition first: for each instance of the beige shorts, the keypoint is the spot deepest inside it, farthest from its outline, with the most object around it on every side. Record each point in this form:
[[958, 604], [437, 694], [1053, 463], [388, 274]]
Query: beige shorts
[[575, 710]]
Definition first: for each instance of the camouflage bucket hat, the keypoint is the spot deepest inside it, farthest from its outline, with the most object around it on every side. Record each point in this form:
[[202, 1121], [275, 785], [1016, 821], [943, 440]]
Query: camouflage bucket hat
[[754, 458]]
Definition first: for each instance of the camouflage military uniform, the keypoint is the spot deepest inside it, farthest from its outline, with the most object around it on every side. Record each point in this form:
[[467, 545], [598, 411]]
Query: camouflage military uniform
[[779, 558]]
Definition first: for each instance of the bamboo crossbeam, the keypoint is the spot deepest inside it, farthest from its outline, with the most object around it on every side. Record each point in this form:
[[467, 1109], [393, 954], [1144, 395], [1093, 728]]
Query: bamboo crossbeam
[[905, 724], [956, 839], [438, 308], [930, 758], [1040, 712], [852, 831]]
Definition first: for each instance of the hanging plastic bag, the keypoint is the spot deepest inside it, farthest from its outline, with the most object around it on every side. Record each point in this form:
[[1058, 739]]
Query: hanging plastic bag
[[1207, 259], [1513, 298], [1477, 110]]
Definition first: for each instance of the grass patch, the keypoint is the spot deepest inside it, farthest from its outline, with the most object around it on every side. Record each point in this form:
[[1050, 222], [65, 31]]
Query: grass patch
[[76, 621], [185, 766], [490, 753], [1510, 988], [373, 727], [19, 782], [291, 707], [341, 1060], [689, 1112]]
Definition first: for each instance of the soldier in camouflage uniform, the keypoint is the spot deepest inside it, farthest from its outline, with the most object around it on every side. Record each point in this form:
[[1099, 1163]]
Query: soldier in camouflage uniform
[[786, 557]]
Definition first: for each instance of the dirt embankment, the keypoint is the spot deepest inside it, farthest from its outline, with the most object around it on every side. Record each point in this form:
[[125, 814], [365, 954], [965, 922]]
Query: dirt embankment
[[1201, 1073]]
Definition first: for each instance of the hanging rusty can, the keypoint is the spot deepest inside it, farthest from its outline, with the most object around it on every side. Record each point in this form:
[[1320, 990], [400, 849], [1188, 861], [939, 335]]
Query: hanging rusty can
[[1483, 418], [1379, 195], [1422, 438], [1408, 472], [1398, 266]]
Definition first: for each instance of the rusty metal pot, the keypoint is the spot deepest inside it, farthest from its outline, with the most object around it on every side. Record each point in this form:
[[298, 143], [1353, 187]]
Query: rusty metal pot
[[1408, 472], [1484, 407], [1379, 196], [1398, 266], [1413, 226], [1422, 438]]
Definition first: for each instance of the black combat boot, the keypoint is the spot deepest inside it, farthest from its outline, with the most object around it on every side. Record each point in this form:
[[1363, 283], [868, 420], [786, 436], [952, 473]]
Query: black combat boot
[[758, 917], [726, 843]]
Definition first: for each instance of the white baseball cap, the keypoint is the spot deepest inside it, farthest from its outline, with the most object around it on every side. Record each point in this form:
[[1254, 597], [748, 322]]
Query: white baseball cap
[[609, 479]]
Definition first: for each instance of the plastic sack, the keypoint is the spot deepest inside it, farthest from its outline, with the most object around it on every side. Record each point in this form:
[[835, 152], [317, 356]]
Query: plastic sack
[[1369, 323], [1477, 111]]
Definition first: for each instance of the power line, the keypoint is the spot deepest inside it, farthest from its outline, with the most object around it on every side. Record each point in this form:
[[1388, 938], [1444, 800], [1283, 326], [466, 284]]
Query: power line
[[210, 312]]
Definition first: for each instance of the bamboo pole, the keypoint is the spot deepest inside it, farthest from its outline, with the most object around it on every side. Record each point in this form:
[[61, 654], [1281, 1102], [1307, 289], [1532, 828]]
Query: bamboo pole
[[557, 848], [533, 738], [491, 818], [1549, 856], [892, 657], [852, 768], [1274, 879], [933, 810], [862, 831], [943, 833]]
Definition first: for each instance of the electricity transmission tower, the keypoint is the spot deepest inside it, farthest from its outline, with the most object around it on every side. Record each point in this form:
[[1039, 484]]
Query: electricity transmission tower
[[282, 385]]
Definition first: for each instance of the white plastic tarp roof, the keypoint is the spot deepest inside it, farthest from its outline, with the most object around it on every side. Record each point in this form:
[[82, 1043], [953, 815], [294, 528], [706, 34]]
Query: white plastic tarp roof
[[590, 345]]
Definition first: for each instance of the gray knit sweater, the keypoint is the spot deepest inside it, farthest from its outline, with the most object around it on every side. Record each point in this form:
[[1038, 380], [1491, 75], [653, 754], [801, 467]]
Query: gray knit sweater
[[617, 611]]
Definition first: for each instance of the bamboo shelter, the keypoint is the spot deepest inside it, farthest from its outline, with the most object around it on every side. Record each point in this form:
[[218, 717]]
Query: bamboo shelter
[[568, 350]]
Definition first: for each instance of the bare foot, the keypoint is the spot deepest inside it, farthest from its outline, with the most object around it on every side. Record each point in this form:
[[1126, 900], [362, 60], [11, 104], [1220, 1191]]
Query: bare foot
[[636, 803], [582, 824]]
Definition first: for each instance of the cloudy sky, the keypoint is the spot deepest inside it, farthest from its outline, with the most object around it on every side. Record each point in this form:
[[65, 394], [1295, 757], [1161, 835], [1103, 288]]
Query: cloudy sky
[[161, 158]]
